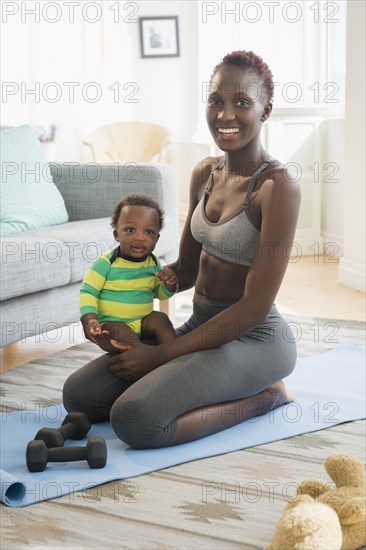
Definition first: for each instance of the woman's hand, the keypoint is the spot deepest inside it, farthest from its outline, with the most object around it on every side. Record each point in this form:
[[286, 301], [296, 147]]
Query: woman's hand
[[135, 361]]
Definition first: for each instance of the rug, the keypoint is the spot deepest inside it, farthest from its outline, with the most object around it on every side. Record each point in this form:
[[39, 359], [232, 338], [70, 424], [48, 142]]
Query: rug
[[228, 501], [326, 393]]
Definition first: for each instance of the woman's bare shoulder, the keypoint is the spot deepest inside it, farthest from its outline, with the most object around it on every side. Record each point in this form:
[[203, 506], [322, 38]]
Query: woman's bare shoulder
[[280, 189], [203, 169], [201, 173], [280, 178]]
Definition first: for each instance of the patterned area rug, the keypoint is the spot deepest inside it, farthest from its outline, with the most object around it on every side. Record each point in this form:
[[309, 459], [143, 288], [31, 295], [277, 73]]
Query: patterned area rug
[[229, 501]]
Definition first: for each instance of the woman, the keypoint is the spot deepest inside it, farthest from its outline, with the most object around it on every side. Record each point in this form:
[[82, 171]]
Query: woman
[[229, 360]]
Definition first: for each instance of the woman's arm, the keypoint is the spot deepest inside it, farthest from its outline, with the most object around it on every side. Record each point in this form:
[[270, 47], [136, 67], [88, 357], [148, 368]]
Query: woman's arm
[[187, 264]]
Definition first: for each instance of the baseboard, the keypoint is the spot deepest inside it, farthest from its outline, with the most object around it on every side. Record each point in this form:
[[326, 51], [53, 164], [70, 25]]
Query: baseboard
[[183, 211], [333, 244], [305, 245], [352, 274]]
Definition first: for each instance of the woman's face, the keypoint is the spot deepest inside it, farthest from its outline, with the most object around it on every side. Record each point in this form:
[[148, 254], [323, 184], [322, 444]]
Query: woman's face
[[235, 106]]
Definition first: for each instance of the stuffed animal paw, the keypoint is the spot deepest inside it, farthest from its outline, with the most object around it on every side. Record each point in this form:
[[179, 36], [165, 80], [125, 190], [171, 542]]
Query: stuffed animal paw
[[307, 525], [347, 498], [309, 516]]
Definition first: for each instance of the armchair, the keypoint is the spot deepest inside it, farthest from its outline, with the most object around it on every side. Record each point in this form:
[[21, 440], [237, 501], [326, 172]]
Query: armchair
[[126, 142]]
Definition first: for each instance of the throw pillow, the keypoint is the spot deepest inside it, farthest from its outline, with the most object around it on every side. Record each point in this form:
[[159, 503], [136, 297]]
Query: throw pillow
[[29, 197]]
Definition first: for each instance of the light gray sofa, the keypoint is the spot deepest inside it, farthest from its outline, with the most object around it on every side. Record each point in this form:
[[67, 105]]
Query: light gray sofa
[[41, 270]]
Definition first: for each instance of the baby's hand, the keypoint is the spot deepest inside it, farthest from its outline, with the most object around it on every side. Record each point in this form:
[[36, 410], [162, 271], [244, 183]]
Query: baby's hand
[[94, 330], [169, 278]]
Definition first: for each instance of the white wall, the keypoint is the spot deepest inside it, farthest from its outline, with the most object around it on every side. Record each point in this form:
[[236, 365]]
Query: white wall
[[159, 90], [106, 52], [352, 264], [332, 182], [168, 86]]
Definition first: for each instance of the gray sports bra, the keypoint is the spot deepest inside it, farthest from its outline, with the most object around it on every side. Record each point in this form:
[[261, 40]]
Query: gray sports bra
[[234, 239]]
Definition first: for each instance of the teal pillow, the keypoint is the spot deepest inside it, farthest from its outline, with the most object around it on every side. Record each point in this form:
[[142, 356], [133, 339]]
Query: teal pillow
[[29, 198]]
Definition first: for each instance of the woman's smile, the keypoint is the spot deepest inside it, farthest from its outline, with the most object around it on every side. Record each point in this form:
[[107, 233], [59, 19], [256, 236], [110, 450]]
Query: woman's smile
[[227, 134], [234, 111]]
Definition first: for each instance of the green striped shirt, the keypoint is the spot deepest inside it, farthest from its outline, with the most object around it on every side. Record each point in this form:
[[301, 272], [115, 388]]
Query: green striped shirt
[[121, 291]]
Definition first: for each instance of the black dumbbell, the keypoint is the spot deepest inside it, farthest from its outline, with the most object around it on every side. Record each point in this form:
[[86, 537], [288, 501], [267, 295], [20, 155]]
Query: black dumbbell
[[38, 454], [75, 426]]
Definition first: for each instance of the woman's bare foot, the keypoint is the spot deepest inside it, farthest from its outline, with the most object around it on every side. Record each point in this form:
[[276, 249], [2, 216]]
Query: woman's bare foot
[[214, 418], [274, 396]]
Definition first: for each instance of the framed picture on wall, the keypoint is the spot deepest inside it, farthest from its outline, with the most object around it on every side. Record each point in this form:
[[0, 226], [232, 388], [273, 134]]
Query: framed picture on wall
[[159, 36]]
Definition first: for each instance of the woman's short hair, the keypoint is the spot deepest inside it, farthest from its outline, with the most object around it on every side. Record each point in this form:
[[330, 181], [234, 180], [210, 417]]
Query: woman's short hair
[[249, 60]]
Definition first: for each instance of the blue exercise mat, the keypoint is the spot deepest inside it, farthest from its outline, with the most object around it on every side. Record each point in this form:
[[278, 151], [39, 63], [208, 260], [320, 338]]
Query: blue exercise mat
[[329, 390]]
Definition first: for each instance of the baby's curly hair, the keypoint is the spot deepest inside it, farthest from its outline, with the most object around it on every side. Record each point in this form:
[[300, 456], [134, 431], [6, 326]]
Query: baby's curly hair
[[137, 199], [249, 60]]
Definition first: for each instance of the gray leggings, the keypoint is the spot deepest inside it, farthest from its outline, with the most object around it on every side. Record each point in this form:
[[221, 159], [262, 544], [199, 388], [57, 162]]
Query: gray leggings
[[143, 414]]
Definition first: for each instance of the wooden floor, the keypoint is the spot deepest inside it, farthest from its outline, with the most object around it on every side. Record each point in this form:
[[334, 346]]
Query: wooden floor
[[310, 288]]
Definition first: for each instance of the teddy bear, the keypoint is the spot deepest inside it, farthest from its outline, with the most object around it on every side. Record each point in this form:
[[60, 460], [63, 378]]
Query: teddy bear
[[307, 525], [323, 516]]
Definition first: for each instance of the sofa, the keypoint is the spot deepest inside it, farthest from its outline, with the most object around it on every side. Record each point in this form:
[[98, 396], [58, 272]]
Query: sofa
[[41, 269]]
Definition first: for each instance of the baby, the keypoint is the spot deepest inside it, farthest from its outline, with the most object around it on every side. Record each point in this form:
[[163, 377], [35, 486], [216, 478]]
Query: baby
[[116, 297]]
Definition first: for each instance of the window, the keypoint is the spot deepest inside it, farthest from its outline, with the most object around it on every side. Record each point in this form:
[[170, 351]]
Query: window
[[303, 42]]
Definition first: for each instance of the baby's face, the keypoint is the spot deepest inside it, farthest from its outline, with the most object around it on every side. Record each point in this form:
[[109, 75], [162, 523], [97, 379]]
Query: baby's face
[[137, 230]]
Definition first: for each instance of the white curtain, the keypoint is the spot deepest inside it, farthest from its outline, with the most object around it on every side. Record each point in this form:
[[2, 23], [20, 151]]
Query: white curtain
[[303, 43], [65, 65]]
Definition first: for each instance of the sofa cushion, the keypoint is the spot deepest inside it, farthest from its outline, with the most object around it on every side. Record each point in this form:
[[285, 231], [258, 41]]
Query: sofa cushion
[[56, 256], [49, 310], [29, 197], [85, 240], [31, 264]]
